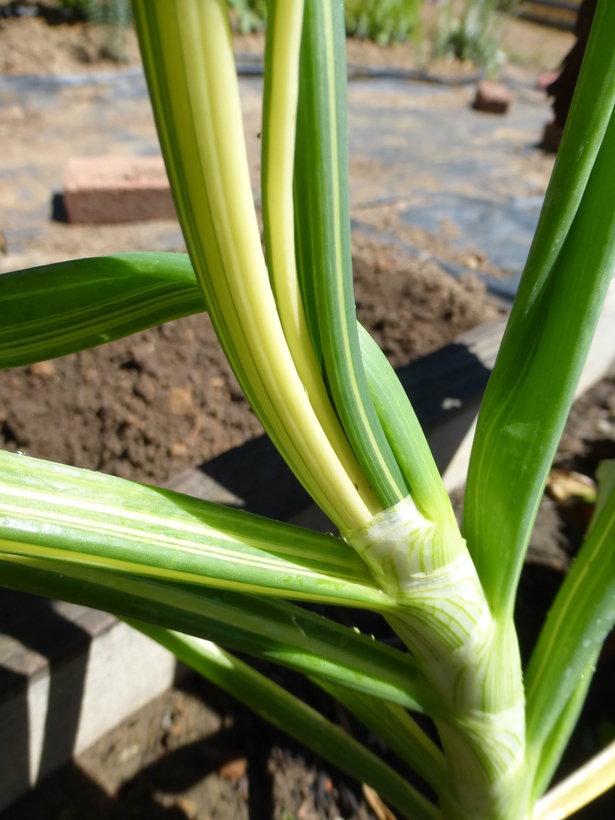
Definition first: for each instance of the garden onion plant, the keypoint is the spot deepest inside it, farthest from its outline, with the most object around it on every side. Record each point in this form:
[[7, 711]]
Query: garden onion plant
[[205, 580]]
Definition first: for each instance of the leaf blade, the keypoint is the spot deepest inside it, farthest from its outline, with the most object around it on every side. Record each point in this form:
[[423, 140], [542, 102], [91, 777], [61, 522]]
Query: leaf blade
[[322, 227], [580, 619], [272, 630], [54, 310], [296, 718], [548, 335], [50, 510], [395, 727]]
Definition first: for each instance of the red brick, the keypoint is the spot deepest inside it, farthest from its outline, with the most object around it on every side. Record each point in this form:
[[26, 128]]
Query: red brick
[[493, 98], [100, 190], [545, 80]]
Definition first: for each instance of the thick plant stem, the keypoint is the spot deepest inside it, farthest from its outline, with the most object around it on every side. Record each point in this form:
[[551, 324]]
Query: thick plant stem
[[470, 657]]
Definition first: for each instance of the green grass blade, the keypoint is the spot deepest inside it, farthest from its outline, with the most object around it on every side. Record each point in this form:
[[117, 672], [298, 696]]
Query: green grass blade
[[323, 227], [393, 725], [296, 718], [580, 619], [188, 60], [272, 630], [54, 310], [51, 510], [545, 345]]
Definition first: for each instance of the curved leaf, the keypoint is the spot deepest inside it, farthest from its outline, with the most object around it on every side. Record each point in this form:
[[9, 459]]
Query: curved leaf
[[322, 226], [273, 630], [54, 310], [296, 718], [549, 332], [284, 23], [187, 55], [52, 511]]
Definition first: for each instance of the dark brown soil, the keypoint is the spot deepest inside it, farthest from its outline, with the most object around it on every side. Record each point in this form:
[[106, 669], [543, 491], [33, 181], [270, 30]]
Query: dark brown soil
[[196, 754], [29, 45], [152, 405]]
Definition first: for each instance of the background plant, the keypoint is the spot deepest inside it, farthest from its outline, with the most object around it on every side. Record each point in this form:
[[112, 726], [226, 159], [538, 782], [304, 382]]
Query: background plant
[[382, 20], [471, 35], [251, 15], [175, 567], [115, 15], [377, 20]]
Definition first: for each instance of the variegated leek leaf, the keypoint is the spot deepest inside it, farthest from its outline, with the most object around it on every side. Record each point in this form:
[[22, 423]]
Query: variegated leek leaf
[[549, 331], [54, 310], [49, 510], [284, 25], [273, 630], [322, 229], [188, 59]]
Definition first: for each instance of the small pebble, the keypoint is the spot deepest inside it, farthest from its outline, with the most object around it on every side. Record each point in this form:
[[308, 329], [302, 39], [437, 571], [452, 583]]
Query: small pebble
[[234, 770], [605, 427], [45, 370]]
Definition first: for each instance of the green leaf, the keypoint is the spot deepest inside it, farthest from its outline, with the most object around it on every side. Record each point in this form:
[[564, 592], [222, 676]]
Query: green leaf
[[59, 309], [322, 226], [49, 510], [273, 630], [296, 718], [284, 24], [393, 725], [188, 59], [404, 433], [549, 332], [553, 747], [605, 474], [581, 617]]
